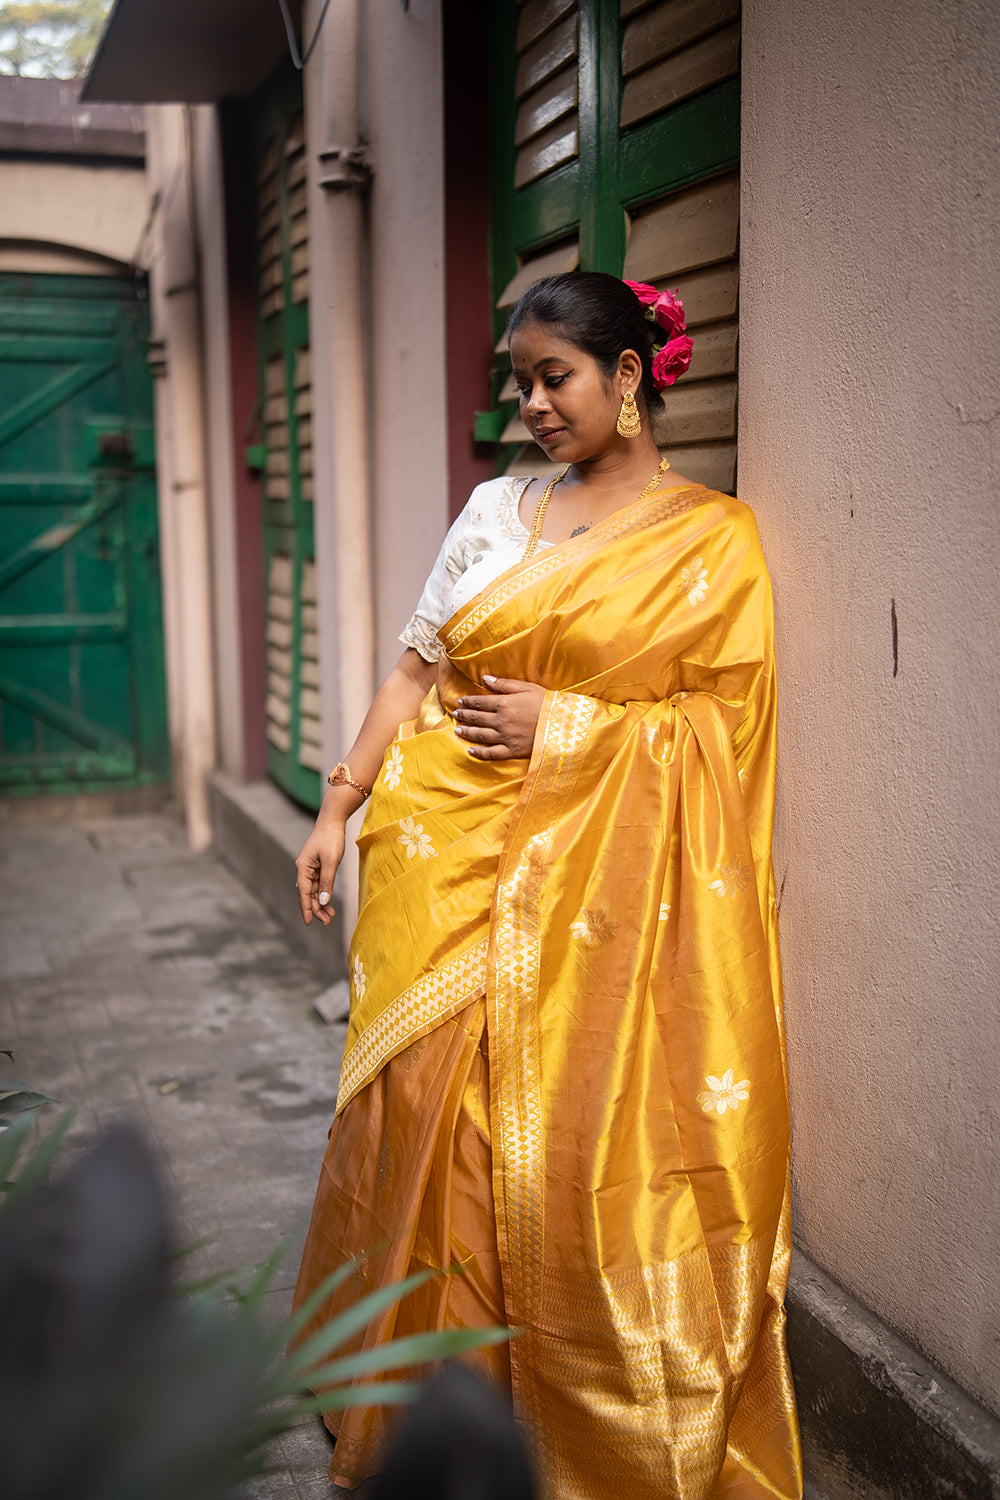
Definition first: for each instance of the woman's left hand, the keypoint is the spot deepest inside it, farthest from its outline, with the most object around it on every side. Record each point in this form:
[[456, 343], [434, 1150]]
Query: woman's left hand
[[502, 726]]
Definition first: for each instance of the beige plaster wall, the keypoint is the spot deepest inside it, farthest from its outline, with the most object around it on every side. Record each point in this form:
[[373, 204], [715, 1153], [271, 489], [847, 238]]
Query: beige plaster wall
[[405, 122], [869, 424], [99, 209]]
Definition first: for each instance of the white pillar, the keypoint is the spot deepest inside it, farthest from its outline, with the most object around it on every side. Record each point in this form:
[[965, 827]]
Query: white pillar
[[404, 70], [210, 207], [340, 417], [181, 470]]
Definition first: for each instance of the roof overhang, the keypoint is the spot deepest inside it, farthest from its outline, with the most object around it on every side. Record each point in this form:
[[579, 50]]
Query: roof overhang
[[44, 117], [187, 51]]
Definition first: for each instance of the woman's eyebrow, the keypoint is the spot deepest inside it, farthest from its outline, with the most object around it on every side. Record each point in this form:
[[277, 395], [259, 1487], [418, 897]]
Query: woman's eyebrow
[[548, 359]]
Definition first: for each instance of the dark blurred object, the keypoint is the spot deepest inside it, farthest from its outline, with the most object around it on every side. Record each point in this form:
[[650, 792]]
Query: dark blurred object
[[111, 1386], [117, 1385], [458, 1442]]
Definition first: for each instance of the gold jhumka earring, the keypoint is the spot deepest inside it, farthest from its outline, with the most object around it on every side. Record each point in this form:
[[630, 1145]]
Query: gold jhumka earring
[[628, 424]]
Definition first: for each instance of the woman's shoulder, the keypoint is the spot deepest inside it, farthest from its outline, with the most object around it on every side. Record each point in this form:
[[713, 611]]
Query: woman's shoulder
[[715, 521], [493, 506], [491, 492], [721, 509]]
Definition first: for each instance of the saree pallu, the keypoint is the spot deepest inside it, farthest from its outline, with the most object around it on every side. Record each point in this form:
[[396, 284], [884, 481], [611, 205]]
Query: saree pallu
[[612, 901]]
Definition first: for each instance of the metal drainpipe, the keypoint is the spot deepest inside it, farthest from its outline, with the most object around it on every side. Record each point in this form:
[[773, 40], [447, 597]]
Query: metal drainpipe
[[184, 500], [339, 176]]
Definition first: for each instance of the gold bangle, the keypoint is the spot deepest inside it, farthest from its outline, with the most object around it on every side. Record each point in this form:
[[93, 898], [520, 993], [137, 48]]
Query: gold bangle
[[341, 776]]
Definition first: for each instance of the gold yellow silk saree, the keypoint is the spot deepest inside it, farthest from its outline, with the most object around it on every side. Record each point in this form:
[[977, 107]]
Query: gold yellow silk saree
[[612, 901]]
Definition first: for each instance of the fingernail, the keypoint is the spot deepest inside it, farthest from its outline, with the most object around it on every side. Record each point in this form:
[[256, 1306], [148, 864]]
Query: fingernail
[[324, 897], [488, 677], [459, 730]]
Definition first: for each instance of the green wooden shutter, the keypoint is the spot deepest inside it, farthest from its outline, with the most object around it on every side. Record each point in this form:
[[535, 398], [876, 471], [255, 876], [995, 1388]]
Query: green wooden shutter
[[616, 148], [292, 653]]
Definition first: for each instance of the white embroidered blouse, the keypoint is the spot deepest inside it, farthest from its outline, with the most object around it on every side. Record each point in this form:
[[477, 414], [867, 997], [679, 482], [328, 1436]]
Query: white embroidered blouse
[[485, 540]]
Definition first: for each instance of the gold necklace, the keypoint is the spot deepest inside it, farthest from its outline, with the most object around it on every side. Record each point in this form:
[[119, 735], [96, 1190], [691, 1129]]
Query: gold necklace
[[535, 533]]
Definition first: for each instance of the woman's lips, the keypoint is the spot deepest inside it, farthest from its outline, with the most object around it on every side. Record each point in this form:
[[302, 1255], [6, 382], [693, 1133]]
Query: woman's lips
[[549, 434]]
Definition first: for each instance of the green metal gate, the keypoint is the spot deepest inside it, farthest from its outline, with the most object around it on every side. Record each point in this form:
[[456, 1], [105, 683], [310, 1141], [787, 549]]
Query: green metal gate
[[82, 704]]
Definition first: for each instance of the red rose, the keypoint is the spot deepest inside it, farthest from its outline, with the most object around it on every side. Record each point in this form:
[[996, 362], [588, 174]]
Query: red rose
[[668, 310], [672, 360], [646, 294]]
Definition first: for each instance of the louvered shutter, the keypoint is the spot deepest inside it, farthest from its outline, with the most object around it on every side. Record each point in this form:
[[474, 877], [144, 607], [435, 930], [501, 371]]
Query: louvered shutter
[[690, 240], [672, 49], [623, 157], [292, 652], [546, 88]]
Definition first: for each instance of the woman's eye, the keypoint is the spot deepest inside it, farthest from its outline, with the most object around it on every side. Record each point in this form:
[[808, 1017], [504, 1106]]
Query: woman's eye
[[555, 380]]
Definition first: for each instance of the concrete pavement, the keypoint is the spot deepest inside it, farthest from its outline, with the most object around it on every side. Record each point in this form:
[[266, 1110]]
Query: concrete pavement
[[139, 978]]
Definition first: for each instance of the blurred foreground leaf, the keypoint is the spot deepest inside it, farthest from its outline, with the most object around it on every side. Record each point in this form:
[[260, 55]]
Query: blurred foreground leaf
[[116, 1386], [18, 1098]]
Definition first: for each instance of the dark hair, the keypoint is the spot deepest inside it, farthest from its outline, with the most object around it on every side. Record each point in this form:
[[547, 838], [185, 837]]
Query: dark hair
[[600, 315]]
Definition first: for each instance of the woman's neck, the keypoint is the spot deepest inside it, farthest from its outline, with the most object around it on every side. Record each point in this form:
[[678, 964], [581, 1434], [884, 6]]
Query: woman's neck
[[618, 469]]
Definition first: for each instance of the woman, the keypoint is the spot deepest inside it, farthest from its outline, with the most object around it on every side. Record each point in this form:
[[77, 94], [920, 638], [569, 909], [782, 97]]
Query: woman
[[564, 1066]]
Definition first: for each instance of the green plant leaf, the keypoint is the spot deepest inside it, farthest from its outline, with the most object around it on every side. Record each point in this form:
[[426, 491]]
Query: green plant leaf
[[20, 1099], [352, 1320], [326, 1289], [11, 1140], [219, 1282], [192, 1247], [387, 1393], [414, 1349], [35, 1168], [265, 1275]]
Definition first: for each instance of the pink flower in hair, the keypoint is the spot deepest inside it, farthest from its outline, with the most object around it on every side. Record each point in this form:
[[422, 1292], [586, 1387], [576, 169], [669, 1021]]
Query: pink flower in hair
[[646, 294], [668, 310], [672, 360]]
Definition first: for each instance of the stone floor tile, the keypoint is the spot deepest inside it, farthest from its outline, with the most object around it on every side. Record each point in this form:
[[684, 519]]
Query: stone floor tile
[[146, 981], [276, 1485], [22, 958]]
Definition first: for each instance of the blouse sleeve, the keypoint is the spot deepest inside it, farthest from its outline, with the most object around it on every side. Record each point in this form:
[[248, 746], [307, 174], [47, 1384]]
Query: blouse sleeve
[[434, 607]]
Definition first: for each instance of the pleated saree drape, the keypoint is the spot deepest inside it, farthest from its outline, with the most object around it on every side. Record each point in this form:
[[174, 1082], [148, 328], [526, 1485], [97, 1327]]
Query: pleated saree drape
[[565, 982]]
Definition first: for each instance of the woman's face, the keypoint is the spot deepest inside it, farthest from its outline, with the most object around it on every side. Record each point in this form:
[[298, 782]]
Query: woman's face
[[568, 404]]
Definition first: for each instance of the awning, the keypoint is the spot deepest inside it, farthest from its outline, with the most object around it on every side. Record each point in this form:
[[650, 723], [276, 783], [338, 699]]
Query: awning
[[187, 51]]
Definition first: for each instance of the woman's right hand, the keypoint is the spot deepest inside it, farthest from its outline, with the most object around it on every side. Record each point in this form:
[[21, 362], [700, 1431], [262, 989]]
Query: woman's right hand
[[316, 866], [397, 700]]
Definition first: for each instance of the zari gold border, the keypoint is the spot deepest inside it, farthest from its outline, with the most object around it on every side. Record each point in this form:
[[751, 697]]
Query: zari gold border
[[434, 997], [514, 1036], [659, 508], [677, 1340]]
